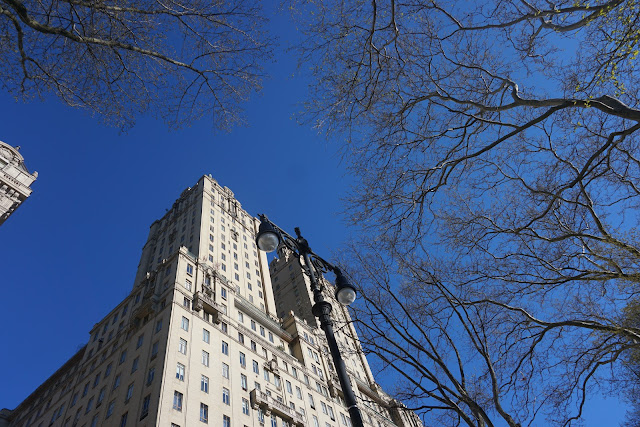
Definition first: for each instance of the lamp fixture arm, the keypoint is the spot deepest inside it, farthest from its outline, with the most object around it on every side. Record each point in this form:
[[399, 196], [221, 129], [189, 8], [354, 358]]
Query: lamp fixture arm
[[300, 247]]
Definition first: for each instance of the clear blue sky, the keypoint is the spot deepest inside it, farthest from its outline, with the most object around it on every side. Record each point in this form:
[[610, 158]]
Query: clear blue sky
[[69, 253]]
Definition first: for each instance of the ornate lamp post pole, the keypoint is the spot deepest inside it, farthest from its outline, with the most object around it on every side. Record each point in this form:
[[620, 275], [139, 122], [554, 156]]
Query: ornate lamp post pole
[[269, 237]]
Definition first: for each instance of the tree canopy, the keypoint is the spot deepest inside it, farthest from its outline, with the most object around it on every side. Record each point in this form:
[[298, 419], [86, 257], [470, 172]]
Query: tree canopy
[[176, 60], [496, 149]]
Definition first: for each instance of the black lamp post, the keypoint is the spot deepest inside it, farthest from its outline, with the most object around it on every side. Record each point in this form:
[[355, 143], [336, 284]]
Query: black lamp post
[[269, 237]]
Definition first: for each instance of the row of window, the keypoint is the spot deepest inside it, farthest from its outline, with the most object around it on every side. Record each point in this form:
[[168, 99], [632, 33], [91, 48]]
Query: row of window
[[108, 413], [178, 399], [204, 380]]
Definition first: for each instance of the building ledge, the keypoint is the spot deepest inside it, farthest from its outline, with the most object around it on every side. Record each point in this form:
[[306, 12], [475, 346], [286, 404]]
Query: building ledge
[[262, 318]]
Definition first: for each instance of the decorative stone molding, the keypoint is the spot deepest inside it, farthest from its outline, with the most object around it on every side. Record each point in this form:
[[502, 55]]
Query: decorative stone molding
[[15, 180]]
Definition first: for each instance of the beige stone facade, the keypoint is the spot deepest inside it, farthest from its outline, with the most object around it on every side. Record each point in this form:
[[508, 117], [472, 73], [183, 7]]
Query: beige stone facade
[[15, 180], [198, 341]]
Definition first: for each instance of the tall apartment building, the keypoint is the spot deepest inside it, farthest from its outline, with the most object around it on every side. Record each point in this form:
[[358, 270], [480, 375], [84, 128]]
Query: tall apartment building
[[15, 180], [202, 340]]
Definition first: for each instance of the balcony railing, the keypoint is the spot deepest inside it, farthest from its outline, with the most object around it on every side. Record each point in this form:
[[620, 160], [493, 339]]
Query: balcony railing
[[203, 301], [269, 404]]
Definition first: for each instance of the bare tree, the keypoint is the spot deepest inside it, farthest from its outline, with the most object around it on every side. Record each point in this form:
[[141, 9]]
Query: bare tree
[[177, 60], [496, 146]]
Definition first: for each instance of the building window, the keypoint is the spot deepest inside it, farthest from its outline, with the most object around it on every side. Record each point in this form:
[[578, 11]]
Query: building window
[[97, 380], [187, 284], [241, 338], [101, 395], [270, 337], [154, 349], [245, 406], [116, 382], [123, 419], [224, 327], [185, 323], [112, 405], [240, 317], [140, 341], [190, 269], [226, 421], [182, 347], [108, 370], [311, 402], [89, 405], [205, 336], [266, 375], [256, 369], [204, 383], [254, 347], [150, 375], [223, 293], [129, 392], [226, 399], [262, 330], [204, 413], [243, 381], [205, 358], [288, 385], [134, 366], [225, 370], [177, 400], [180, 372], [225, 348], [253, 324], [343, 418], [158, 325], [243, 360], [298, 392]]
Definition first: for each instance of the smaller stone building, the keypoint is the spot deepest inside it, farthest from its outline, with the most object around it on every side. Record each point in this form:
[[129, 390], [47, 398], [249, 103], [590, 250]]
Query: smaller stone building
[[15, 180]]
